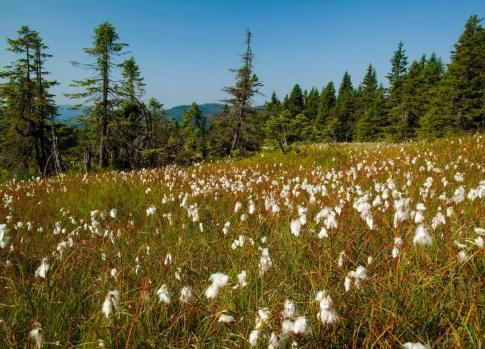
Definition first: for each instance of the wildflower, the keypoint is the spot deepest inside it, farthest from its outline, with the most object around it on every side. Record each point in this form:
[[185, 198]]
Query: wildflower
[[186, 294], [111, 302], [163, 294], [3, 235], [478, 241], [218, 280], [253, 338], [479, 231], [422, 237], [300, 325], [459, 177], [289, 310], [438, 220], [252, 207], [402, 211], [323, 233], [295, 227], [241, 278], [237, 207], [410, 345], [36, 334], [274, 341], [262, 317], [225, 229], [225, 319], [396, 250], [419, 216], [327, 314], [462, 256], [43, 268], [356, 276], [151, 210], [168, 260], [340, 261], [265, 263]]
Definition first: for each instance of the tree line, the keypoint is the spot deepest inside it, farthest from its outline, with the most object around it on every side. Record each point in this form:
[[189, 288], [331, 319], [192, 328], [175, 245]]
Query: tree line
[[118, 129]]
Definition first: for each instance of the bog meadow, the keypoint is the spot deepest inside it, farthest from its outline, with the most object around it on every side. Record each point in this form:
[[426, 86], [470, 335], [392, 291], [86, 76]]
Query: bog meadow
[[325, 219]]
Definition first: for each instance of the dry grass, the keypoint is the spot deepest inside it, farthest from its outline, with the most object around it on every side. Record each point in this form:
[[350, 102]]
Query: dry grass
[[427, 294]]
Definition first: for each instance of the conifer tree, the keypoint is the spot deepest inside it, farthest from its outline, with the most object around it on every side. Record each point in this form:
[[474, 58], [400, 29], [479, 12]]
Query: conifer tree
[[340, 126], [28, 106], [132, 85], [396, 130], [100, 88], [194, 131], [311, 105], [370, 108], [326, 105], [295, 102], [243, 114], [459, 101]]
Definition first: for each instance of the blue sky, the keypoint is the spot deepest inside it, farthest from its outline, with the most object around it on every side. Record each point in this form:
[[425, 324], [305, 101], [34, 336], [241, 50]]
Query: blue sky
[[185, 47]]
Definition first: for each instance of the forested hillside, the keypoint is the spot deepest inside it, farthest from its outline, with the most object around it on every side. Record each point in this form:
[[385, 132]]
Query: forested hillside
[[119, 127]]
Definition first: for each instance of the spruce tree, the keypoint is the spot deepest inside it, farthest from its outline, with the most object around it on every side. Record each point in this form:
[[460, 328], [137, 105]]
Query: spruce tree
[[29, 109], [465, 76], [326, 105], [458, 101], [395, 131], [243, 114], [194, 131], [100, 88], [295, 102], [341, 125], [370, 109]]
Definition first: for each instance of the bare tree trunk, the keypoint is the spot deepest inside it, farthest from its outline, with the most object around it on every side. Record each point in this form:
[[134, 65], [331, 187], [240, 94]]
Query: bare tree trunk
[[104, 117]]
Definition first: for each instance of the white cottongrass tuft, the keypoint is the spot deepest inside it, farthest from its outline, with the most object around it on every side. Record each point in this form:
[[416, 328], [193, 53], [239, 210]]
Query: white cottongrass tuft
[[225, 319], [163, 294], [262, 317], [299, 326], [355, 277], [151, 210], [42, 269], [327, 314], [289, 310], [396, 250], [265, 263], [37, 335], [113, 213], [186, 294], [218, 280], [3, 235], [410, 345], [253, 338], [422, 236], [402, 211], [111, 302], [241, 279], [295, 227]]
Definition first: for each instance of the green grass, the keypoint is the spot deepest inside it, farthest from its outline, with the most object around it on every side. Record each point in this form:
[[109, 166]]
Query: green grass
[[427, 295]]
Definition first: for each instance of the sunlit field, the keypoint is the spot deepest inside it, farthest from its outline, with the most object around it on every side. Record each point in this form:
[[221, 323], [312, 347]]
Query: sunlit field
[[361, 245]]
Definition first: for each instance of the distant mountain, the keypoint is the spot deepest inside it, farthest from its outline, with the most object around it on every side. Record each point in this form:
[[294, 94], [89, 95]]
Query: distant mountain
[[208, 109], [66, 114]]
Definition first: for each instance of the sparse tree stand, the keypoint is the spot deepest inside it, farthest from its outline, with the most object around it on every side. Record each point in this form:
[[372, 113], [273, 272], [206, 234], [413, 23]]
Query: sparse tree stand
[[28, 104], [100, 89], [247, 85]]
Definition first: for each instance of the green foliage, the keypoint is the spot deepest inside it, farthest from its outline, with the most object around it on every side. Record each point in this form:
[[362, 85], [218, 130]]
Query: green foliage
[[194, 131]]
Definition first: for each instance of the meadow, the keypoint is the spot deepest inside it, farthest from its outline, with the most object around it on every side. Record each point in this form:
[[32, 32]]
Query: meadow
[[329, 246]]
